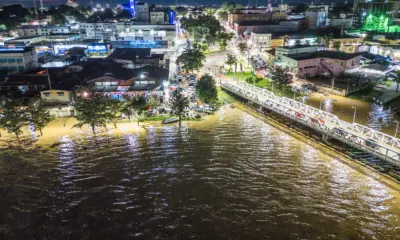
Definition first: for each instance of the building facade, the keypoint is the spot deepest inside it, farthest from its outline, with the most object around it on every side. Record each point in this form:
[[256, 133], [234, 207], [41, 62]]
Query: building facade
[[316, 19], [40, 30], [142, 12], [260, 41], [318, 63], [374, 15], [340, 22], [18, 59]]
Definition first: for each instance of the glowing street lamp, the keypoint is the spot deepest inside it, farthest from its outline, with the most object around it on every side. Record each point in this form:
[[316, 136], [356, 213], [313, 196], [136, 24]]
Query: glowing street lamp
[[355, 112]]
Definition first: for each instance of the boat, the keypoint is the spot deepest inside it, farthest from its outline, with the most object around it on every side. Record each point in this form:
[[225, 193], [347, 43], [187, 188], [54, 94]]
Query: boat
[[170, 120]]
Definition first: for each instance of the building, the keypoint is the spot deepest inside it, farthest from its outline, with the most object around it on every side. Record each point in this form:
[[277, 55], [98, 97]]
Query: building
[[320, 62], [137, 57], [41, 30], [239, 17], [56, 96], [16, 59], [260, 41], [247, 27], [162, 16], [100, 30], [142, 12], [374, 15], [160, 37], [293, 50], [345, 23], [348, 41], [316, 19]]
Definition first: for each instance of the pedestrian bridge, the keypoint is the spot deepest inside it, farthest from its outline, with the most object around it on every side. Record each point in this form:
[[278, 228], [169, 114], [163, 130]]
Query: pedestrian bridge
[[379, 144]]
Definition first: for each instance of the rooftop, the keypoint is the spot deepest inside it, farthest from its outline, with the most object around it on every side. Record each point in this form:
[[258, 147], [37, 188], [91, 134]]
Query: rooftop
[[15, 49], [324, 54], [132, 53]]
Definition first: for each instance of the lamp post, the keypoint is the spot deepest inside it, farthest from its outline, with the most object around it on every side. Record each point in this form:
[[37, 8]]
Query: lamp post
[[320, 103], [355, 113], [397, 128]]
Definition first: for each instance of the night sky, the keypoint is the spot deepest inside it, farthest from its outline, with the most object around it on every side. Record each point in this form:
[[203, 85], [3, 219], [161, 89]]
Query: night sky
[[29, 3]]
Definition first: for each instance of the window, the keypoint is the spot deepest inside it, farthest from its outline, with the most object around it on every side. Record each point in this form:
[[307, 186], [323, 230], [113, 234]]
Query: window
[[21, 68], [19, 60], [11, 60], [60, 94], [46, 94]]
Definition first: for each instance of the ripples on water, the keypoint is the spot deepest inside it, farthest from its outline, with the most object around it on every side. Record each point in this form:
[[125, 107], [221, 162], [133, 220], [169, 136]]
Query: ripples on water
[[232, 177]]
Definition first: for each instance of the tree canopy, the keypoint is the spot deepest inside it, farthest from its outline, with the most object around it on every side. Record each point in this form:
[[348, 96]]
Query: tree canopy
[[206, 89], [281, 77], [191, 59], [39, 117], [91, 111], [13, 117], [178, 104], [300, 8], [231, 60]]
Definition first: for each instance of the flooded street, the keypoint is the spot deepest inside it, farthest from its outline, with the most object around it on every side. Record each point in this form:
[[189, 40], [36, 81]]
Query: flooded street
[[232, 176], [369, 114]]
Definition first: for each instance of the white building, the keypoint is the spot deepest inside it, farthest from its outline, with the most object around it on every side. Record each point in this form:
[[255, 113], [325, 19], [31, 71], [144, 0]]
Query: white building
[[18, 59], [157, 17], [101, 30], [40, 30], [260, 41], [142, 12]]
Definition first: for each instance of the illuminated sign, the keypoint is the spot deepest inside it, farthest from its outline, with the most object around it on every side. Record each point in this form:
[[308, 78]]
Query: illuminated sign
[[97, 50]]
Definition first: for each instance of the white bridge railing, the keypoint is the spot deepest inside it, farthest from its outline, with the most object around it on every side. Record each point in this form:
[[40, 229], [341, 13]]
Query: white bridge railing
[[379, 144]]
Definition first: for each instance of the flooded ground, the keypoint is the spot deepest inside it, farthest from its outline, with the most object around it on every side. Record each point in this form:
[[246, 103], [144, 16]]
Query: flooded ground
[[232, 176], [370, 114]]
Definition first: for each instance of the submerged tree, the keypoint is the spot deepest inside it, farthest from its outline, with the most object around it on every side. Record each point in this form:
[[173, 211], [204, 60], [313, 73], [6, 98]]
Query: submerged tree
[[114, 109], [39, 117], [13, 117], [178, 104], [91, 110]]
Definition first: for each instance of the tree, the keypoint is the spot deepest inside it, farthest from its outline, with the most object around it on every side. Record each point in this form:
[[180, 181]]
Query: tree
[[124, 14], [308, 42], [206, 89], [138, 104], [223, 38], [228, 7], [181, 11], [242, 46], [281, 77], [191, 59], [326, 41], [39, 117], [318, 41], [300, 8], [298, 42], [13, 117], [178, 104], [113, 110], [231, 60], [91, 110], [253, 80], [337, 45]]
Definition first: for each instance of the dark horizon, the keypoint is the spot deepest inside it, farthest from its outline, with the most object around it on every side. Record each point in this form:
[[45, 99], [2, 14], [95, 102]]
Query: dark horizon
[[29, 3]]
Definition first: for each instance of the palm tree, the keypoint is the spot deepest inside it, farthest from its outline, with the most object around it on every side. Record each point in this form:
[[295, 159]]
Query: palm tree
[[191, 59]]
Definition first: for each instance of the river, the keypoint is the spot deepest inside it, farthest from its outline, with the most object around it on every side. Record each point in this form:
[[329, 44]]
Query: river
[[232, 176]]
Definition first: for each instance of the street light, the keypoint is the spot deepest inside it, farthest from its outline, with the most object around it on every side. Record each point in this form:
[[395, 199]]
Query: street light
[[397, 128], [355, 112], [320, 103]]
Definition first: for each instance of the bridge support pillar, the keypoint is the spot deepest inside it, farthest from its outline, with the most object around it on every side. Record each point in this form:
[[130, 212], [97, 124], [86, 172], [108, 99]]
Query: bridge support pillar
[[325, 137]]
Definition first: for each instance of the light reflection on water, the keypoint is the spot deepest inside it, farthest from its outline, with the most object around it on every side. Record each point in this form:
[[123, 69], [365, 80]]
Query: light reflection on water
[[232, 176]]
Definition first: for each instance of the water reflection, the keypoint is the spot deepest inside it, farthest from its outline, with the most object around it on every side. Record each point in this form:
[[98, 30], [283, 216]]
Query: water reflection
[[230, 177]]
